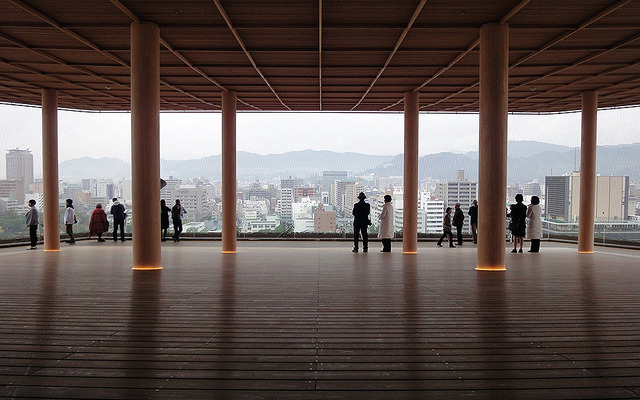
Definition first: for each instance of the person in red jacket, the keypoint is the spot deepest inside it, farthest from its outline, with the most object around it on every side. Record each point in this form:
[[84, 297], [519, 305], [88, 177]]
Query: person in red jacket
[[99, 223]]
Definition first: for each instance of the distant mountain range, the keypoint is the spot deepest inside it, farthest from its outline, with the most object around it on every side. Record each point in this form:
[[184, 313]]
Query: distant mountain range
[[527, 160]]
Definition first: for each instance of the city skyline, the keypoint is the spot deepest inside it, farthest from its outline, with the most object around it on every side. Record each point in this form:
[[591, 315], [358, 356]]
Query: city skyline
[[99, 135]]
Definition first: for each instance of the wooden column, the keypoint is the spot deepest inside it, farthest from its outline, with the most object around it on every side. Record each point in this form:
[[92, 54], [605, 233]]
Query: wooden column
[[229, 172], [410, 211], [51, 208], [492, 182], [145, 145], [588, 172]]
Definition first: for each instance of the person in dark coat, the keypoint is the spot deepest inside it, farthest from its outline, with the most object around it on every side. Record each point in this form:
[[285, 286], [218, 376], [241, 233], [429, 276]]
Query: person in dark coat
[[473, 220], [361, 222], [117, 210], [458, 222], [446, 228], [32, 223], [518, 226], [177, 212], [164, 219], [98, 224]]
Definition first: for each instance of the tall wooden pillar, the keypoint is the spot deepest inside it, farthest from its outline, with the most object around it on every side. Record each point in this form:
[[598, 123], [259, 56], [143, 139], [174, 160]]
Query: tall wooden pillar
[[492, 182], [145, 145], [51, 217], [410, 198], [229, 100], [588, 172]]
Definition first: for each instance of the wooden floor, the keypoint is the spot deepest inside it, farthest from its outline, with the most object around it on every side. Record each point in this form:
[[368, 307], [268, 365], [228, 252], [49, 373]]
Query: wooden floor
[[311, 320]]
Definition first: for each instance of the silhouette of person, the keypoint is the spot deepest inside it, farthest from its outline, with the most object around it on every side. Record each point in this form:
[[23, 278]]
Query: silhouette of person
[[473, 220], [164, 219], [361, 222], [518, 225], [117, 210], [177, 212], [458, 222]]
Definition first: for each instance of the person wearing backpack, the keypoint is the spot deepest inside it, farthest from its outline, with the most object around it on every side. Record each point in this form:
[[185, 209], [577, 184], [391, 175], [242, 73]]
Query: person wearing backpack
[[117, 210], [177, 212]]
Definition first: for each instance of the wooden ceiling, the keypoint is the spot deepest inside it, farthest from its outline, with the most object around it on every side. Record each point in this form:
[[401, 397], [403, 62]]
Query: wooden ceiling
[[322, 55]]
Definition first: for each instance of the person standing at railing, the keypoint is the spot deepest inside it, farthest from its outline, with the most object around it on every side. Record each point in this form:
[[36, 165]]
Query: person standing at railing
[[361, 222], [98, 224], [518, 224], [534, 227], [164, 219], [70, 219], [386, 225], [119, 216], [177, 212], [473, 219], [32, 223]]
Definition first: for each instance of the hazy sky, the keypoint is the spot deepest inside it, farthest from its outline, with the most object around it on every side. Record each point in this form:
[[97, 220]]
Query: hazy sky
[[196, 135]]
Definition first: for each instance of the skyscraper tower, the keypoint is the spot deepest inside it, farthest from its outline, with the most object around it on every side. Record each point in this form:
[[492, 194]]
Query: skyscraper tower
[[20, 167]]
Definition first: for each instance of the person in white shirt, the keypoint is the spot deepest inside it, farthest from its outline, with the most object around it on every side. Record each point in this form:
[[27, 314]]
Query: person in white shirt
[[69, 220]]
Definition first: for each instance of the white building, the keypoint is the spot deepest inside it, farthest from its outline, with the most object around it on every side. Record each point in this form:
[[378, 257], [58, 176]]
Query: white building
[[194, 200], [433, 213], [269, 223], [285, 204], [460, 191], [302, 215]]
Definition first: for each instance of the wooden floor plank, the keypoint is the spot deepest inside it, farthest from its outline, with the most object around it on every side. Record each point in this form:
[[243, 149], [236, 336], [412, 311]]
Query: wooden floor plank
[[310, 320]]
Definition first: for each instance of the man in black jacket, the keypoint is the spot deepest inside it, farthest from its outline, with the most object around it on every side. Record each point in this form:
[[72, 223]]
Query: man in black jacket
[[361, 222], [117, 210], [473, 215], [458, 222]]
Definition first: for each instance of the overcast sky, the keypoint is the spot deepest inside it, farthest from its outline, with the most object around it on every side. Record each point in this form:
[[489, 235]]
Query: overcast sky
[[197, 135]]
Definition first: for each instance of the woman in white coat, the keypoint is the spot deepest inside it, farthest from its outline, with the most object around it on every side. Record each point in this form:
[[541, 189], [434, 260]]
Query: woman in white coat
[[386, 225], [534, 227]]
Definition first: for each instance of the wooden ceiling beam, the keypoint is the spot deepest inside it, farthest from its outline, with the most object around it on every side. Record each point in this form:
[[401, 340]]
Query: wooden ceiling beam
[[614, 7], [404, 34], [246, 51]]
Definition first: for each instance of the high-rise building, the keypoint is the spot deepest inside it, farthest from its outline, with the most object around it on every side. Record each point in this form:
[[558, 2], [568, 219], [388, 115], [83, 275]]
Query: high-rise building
[[291, 183], [562, 198], [460, 191], [105, 189], [300, 192], [20, 168], [285, 204], [532, 189], [338, 192], [194, 200], [328, 177], [12, 191], [351, 192], [433, 212]]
